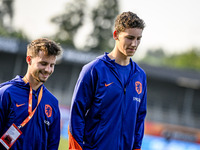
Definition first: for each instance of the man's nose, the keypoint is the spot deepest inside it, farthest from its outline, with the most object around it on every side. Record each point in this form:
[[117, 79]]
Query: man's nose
[[48, 68], [134, 42]]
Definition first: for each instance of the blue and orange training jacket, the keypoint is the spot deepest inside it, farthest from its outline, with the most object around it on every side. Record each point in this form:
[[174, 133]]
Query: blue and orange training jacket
[[105, 114], [42, 132]]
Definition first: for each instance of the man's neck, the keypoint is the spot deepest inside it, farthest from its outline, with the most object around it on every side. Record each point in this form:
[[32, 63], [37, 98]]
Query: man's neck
[[119, 57]]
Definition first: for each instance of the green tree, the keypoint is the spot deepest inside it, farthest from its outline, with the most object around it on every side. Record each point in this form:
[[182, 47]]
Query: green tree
[[6, 17], [76, 12], [187, 60], [103, 20], [69, 22], [6, 13], [155, 57]]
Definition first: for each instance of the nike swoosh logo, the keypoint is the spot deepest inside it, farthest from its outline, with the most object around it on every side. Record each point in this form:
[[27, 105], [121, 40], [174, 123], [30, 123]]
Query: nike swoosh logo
[[108, 84], [19, 105]]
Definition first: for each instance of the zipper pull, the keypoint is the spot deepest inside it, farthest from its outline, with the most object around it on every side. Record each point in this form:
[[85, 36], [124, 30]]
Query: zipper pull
[[35, 95], [124, 90]]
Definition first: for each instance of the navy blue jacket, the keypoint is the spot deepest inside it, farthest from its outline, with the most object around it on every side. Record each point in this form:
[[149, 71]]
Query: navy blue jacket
[[42, 132], [105, 114]]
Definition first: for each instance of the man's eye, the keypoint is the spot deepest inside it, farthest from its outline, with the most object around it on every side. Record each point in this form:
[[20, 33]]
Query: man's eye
[[43, 63], [52, 65], [130, 38]]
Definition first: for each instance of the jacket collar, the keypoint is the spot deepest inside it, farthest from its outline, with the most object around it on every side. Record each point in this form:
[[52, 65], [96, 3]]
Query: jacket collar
[[110, 62]]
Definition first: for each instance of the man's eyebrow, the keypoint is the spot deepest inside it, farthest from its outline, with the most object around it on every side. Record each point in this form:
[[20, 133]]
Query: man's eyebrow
[[133, 36], [130, 35]]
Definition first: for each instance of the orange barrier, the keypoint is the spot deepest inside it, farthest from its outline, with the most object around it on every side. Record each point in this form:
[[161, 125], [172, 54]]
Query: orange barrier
[[170, 131]]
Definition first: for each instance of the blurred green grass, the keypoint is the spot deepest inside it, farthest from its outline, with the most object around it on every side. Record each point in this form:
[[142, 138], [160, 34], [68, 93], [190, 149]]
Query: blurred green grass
[[63, 144]]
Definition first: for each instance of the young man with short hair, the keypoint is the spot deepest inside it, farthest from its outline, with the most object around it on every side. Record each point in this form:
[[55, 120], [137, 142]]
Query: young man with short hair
[[27, 108], [109, 101]]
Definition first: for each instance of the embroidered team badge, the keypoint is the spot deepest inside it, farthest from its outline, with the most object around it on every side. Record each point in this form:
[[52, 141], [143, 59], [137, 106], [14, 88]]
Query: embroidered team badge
[[138, 87], [48, 110]]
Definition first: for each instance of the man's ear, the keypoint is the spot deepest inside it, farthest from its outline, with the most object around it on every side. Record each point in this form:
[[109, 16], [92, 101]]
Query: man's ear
[[28, 59], [115, 35]]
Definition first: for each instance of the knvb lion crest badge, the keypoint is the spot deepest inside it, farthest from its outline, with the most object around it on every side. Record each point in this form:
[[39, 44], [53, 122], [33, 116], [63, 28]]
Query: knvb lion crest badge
[[48, 110], [138, 87]]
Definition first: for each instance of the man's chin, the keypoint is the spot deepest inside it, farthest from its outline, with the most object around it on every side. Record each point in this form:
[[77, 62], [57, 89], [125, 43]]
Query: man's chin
[[131, 54], [43, 80]]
